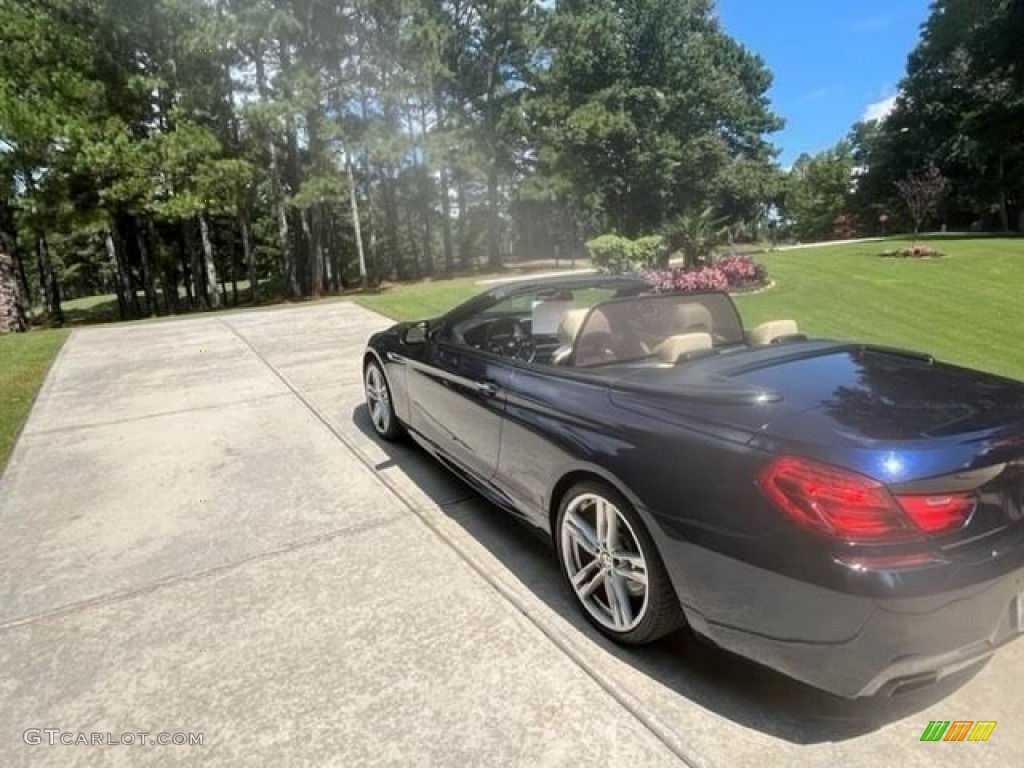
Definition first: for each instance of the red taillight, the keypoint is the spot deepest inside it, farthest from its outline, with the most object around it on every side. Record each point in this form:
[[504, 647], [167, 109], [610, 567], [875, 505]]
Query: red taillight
[[939, 513], [833, 501]]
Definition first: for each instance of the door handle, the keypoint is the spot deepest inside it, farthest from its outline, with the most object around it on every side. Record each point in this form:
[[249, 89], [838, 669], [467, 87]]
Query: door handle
[[487, 389]]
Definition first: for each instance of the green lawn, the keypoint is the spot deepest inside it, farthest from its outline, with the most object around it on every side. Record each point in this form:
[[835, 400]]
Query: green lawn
[[966, 308], [24, 360], [422, 300]]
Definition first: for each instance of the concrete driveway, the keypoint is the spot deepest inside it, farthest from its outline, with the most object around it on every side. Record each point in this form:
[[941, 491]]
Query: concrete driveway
[[202, 536]]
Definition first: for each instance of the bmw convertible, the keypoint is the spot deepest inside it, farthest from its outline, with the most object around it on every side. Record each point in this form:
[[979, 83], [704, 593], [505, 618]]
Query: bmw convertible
[[848, 514]]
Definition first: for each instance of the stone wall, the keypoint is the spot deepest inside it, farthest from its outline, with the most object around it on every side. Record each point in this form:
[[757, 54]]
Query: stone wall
[[12, 313]]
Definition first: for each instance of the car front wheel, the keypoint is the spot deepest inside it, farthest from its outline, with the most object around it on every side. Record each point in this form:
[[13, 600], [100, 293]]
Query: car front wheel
[[378, 402], [612, 566]]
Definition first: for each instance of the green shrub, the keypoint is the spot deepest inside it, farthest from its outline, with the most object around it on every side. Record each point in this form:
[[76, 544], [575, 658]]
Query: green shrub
[[612, 253], [646, 250], [617, 254]]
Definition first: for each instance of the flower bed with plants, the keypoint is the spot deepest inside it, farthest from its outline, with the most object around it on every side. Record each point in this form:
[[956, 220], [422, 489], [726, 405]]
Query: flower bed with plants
[[733, 273], [917, 251]]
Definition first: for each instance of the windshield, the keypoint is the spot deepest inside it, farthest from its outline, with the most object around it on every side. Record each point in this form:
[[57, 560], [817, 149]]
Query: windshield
[[633, 328]]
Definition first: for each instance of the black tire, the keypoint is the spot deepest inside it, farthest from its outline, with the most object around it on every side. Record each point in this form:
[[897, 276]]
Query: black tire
[[620, 607], [379, 404]]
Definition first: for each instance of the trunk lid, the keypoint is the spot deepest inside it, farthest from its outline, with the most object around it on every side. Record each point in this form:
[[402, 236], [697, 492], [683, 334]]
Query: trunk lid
[[865, 395]]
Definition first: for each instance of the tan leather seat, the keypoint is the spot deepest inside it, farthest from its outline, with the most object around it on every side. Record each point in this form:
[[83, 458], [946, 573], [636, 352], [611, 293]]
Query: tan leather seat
[[771, 332], [674, 348], [593, 344], [568, 328], [691, 318]]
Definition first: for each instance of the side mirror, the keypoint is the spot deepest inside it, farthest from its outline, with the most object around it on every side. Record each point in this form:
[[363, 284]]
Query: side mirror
[[415, 334]]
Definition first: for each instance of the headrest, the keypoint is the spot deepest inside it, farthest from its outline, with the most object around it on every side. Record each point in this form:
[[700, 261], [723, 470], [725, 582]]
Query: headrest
[[597, 322], [675, 347], [691, 318], [570, 324], [766, 333]]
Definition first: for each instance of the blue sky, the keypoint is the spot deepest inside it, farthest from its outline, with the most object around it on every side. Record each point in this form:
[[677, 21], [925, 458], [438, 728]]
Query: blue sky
[[833, 61]]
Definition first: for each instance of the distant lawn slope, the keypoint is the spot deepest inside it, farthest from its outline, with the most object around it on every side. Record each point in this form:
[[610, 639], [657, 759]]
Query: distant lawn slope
[[25, 359], [967, 308]]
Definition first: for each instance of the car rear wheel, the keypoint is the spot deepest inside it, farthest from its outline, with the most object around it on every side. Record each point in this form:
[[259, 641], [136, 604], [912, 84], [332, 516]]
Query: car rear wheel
[[378, 402], [612, 566]]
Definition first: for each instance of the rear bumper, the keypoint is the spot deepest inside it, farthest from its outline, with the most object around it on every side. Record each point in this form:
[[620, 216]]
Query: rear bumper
[[850, 644]]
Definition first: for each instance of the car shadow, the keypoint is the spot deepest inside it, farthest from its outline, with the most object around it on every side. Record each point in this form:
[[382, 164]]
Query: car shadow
[[731, 686]]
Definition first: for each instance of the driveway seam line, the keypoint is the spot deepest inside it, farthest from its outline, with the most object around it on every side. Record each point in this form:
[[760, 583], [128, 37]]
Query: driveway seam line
[[625, 699], [177, 412], [171, 581]]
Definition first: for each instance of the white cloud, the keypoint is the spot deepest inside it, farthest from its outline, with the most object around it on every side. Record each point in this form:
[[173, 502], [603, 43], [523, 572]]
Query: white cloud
[[879, 110]]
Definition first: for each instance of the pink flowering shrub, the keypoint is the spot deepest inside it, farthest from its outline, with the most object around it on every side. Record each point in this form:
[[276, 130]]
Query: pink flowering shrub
[[916, 251], [729, 273], [742, 271]]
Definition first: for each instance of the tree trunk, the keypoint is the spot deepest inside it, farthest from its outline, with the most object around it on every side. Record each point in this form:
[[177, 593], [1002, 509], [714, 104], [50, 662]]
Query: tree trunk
[[330, 276], [333, 254], [291, 160], [424, 202], [187, 265], [307, 235], [462, 223], [12, 307], [316, 272], [200, 285], [493, 220], [248, 254], [44, 291], [357, 231], [170, 283], [276, 190], [234, 277], [118, 272], [148, 278], [418, 269], [49, 283], [446, 223], [213, 298], [394, 252], [19, 266], [374, 265], [1004, 217], [322, 267]]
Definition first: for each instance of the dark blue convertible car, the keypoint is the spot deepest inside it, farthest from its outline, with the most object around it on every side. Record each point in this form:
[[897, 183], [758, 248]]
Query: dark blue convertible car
[[848, 514]]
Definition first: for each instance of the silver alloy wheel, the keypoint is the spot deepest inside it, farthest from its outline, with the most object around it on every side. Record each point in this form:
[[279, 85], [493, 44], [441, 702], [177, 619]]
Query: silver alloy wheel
[[606, 567], [377, 399]]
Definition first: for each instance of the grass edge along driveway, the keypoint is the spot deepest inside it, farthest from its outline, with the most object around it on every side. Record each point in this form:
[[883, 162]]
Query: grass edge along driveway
[[25, 359]]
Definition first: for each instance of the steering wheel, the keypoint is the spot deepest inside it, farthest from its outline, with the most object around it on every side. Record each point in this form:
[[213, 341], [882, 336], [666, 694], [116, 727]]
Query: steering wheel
[[508, 337]]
